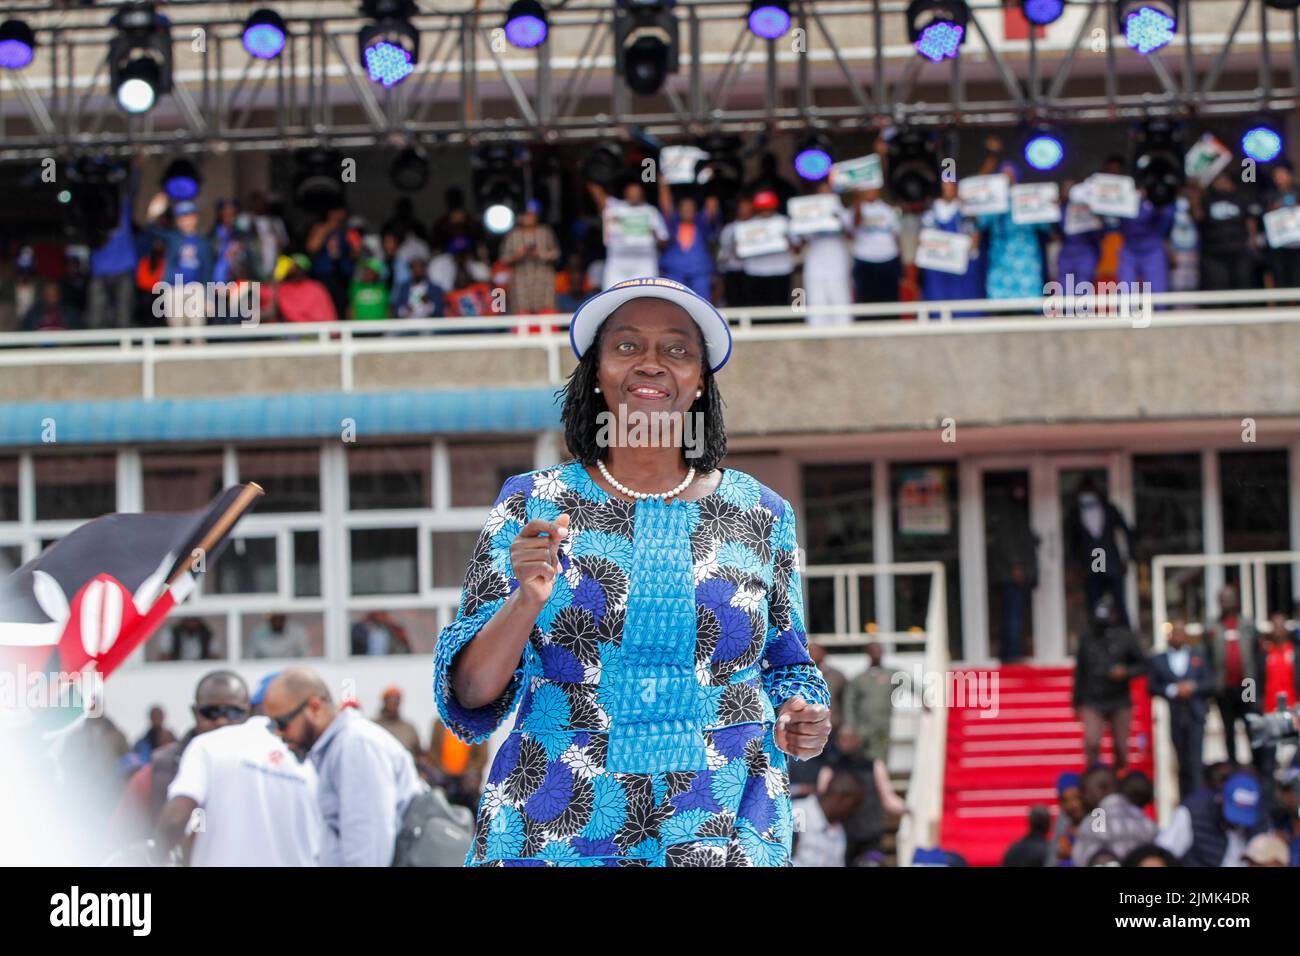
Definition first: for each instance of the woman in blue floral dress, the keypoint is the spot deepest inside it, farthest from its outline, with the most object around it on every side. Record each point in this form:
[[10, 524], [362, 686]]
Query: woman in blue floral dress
[[653, 640]]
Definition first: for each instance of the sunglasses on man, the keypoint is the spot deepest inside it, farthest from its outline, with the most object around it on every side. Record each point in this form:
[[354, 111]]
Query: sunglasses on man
[[282, 723], [218, 711]]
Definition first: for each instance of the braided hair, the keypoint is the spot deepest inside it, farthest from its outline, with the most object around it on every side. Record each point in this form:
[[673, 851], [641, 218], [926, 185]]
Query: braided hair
[[582, 405]]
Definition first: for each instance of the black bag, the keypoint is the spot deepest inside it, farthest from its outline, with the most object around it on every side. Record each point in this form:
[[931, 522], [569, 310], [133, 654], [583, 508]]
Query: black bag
[[434, 831]]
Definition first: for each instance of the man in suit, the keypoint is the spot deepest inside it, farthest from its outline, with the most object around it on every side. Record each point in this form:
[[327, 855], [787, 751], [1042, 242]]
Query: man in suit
[[1093, 529], [1181, 676]]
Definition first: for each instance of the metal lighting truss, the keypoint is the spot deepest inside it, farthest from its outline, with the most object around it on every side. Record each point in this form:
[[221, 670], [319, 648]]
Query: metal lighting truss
[[470, 87]]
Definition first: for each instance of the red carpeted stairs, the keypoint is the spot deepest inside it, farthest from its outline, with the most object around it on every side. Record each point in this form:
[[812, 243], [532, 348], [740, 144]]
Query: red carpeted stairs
[[1001, 764]]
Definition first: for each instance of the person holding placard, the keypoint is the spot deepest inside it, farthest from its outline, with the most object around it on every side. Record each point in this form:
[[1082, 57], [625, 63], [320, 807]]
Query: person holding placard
[[735, 291], [1285, 264], [1228, 235], [1144, 257], [945, 215], [635, 232], [689, 255], [1081, 233], [763, 244], [828, 267], [877, 264], [1015, 255]]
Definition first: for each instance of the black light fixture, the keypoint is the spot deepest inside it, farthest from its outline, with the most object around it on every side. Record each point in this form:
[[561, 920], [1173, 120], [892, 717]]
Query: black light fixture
[[646, 37], [1158, 166], [913, 156], [317, 178], [389, 46], [499, 184], [140, 57], [181, 179], [409, 170], [604, 165]]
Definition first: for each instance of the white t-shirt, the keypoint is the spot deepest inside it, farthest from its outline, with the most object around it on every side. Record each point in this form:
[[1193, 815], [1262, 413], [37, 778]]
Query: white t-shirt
[[827, 254], [442, 270], [258, 800], [772, 263], [633, 232], [876, 237]]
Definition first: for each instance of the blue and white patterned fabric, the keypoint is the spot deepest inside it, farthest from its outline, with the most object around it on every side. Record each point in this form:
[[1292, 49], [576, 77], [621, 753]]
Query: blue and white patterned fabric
[[649, 686]]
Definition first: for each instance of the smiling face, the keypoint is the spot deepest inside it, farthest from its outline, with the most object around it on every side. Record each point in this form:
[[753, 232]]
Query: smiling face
[[651, 357]]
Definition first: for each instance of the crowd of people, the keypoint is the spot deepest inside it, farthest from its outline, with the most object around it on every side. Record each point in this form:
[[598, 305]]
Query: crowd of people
[[342, 267]]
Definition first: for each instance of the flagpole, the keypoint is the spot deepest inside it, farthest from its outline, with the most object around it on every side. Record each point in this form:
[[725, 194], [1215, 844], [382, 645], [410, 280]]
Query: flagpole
[[242, 502]]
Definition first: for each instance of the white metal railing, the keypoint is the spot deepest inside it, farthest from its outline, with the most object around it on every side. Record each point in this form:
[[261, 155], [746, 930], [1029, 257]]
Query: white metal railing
[[1252, 585], [924, 799], [148, 348]]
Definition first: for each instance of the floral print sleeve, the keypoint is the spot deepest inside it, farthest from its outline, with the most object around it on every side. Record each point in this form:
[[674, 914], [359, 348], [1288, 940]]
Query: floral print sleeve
[[488, 582], [788, 670]]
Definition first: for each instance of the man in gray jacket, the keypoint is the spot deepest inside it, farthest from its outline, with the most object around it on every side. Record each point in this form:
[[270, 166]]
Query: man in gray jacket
[[367, 778]]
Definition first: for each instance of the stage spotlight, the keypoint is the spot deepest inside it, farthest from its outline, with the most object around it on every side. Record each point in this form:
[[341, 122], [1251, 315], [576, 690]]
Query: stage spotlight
[[937, 28], [604, 164], [497, 173], [264, 34], [1148, 25], [526, 25], [1158, 166], [813, 159], [913, 166], [769, 19], [181, 180], [140, 57], [409, 170], [390, 45], [17, 44], [317, 178], [1262, 140], [1042, 12], [646, 34], [498, 218], [1043, 149]]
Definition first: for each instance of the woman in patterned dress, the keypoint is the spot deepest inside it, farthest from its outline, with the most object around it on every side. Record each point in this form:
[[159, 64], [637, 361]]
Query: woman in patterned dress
[[643, 608]]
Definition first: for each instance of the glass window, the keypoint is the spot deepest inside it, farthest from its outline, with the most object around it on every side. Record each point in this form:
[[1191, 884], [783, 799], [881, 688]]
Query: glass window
[[75, 487], [246, 566], [1168, 520], [479, 469], [451, 553], [182, 480], [384, 561], [281, 635], [290, 477], [925, 528], [306, 564], [1011, 561], [390, 476], [189, 637], [8, 489], [1255, 489], [375, 633], [836, 529], [11, 558]]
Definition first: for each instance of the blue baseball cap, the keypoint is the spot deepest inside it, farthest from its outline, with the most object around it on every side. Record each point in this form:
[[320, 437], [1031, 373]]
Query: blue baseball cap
[[260, 693], [1067, 781], [1241, 800], [717, 334], [185, 208]]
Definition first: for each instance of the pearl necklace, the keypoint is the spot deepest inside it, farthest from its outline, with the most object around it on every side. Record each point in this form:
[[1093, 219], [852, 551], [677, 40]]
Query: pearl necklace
[[645, 495]]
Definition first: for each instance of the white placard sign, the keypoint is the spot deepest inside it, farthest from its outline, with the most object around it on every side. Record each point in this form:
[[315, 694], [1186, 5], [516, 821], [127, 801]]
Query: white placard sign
[[1035, 202], [811, 215], [1206, 159], [762, 236], [1282, 227], [677, 163], [631, 228], [984, 195], [943, 251], [865, 172], [1110, 195]]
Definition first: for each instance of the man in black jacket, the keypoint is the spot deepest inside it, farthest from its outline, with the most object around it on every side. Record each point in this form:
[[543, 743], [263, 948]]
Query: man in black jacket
[[1109, 657], [1092, 532], [1181, 676]]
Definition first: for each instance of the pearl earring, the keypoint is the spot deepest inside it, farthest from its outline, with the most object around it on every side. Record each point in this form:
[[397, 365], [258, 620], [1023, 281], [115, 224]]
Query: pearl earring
[[597, 389], [698, 394]]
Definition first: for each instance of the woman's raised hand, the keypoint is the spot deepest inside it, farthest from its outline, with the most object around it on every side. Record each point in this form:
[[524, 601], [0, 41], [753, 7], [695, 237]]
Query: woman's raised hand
[[535, 556]]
